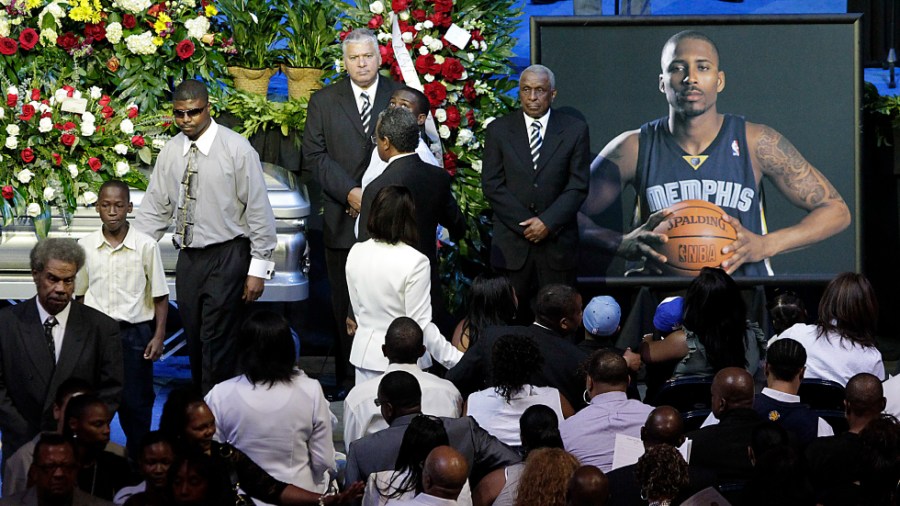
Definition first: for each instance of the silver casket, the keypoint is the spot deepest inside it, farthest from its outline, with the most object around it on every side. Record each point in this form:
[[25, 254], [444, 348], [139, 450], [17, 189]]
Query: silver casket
[[290, 203]]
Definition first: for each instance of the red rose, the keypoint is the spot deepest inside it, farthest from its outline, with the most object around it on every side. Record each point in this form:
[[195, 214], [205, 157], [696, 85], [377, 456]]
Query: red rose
[[27, 112], [97, 32], [46, 114], [452, 69], [418, 14], [104, 101], [425, 64], [441, 19], [469, 91], [137, 141], [70, 92], [57, 159], [94, 163], [443, 6], [387, 54], [8, 46], [28, 38], [184, 49], [35, 94], [67, 140], [128, 21], [7, 192], [453, 117], [400, 5], [107, 112], [132, 112], [450, 159], [11, 100], [27, 155], [68, 125], [396, 75], [376, 21], [436, 93], [343, 35], [470, 118], [67, 41]]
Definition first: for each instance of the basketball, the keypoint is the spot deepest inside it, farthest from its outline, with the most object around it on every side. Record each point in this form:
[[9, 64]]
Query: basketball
[[697, 233]]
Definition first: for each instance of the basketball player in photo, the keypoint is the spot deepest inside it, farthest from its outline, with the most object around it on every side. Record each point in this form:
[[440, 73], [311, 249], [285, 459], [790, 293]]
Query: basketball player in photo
[[696, 152]]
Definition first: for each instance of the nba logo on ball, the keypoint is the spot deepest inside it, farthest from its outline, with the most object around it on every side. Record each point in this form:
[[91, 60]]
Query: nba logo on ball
[[697, 232]]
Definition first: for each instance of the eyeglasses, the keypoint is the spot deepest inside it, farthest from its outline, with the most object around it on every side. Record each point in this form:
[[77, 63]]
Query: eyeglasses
[[188, 113]]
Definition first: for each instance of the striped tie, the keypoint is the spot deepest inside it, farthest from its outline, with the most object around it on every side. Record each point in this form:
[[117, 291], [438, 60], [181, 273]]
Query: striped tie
[[536, 142], [366, 113]]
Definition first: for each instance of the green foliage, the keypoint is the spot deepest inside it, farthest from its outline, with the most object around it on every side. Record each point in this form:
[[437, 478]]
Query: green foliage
[[252, 24], [308, 28]]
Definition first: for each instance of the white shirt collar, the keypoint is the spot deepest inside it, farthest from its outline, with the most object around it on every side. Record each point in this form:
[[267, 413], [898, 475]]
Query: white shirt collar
[[62, 317], [543, 119], [401, 155], [370, 90], [780, 396], [204, 142]]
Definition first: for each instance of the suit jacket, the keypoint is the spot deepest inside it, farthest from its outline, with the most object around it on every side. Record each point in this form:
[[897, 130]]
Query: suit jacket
[[723, 446], [430, 188], [91, 350], [378, 452], [561, 370], [29, 498], [336, 150], [554, 192]]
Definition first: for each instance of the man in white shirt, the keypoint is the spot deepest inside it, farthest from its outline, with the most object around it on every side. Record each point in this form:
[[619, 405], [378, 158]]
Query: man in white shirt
[[403, 345]]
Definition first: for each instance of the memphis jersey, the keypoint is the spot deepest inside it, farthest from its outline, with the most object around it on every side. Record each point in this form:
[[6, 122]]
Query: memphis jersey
[[722, 174]]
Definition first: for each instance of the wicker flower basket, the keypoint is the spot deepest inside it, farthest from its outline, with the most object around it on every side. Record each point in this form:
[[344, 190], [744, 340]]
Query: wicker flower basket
[[252, 80], [302, 81]]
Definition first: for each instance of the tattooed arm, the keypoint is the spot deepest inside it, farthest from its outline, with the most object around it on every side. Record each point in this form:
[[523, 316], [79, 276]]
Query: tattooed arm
[[776, 158]]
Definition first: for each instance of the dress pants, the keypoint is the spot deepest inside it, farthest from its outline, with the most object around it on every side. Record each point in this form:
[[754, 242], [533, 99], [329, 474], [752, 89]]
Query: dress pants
[[136, 410], [209, 284], [336, 263], [528, 280]]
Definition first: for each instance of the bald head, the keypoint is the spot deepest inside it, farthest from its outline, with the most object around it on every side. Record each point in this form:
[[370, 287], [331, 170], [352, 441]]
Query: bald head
[[732, 388], [587, 487], [445, 473], [865, 396], [663, 426]]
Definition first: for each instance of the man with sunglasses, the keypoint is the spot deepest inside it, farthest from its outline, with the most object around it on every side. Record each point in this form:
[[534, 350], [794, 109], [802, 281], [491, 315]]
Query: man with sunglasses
[[210, 178]]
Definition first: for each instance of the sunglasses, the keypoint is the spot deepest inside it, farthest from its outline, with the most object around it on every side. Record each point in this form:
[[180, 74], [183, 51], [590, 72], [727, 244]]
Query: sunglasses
[[188, 113]]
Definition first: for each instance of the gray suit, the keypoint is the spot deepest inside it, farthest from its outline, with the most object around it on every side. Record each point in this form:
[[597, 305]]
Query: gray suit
[[91, 350], [378, 452], [29, 498]]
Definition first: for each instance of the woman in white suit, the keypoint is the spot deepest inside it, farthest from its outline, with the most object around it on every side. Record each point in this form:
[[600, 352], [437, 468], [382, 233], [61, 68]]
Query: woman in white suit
[[388, 278]]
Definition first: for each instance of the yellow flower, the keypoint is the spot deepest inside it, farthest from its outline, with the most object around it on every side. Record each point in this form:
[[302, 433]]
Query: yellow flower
[[86, 12], [157, 41], [31, 4], [211, 10]]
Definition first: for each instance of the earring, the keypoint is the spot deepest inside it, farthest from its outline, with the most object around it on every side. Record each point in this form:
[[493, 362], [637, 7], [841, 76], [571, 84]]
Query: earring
[[586, 396]]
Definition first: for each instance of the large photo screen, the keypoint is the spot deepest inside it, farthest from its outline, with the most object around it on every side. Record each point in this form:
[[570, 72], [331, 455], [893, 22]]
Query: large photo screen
[[797, 75]]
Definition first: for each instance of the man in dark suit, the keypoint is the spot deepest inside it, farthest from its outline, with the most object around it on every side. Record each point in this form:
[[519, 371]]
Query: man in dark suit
[[400, 398], [49, 339], [535, 176], [558, 314], [336, 148], [396, 138]]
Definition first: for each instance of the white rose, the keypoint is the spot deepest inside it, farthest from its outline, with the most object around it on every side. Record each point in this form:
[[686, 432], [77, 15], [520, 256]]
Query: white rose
[[404, 15], [122, 168], [126, 126], [87, 117], [158, 143], [428, 23], [423, 50], [440, 114], [45, 125], [376, 7], [436, 45], [426, 40], [42, 108], [49, 193], [12, 142], [24, 176], [12, 90], [464, 75], [73, 170], [114, 36], [484, 45], [464, 136], [476, 166], [429, 78], [12, 129], [407, 37], [121, 149], [470, 57], [438, 59], [88, 129], [33, 210], [90, 198], [61, 95], [383, 37], [76, 94], [419, 27], [444, 131]]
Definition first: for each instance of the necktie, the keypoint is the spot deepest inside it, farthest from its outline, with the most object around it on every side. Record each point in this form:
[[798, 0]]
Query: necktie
[[535, 142], [49, 323], [184, 220], [366, 113]]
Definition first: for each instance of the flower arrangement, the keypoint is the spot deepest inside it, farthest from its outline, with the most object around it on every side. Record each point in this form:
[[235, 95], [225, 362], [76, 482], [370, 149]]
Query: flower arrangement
[[136, 48], [57, 147], [467, 87]]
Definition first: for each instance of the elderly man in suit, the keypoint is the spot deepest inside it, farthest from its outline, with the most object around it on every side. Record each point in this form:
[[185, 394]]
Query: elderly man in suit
[[535, 176], [48, 339], [336, 148]]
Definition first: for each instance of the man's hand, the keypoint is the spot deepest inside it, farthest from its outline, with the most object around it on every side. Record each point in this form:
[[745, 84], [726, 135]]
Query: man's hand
[[253, 288], [354, 200], [632, 359], [535, 230], [154, 349], [748, 247], [351, 326], [639, 243]]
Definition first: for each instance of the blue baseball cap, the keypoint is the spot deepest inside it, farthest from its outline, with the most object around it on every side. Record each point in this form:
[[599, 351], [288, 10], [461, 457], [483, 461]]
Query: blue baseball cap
[[602, 315], [669, 314]]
